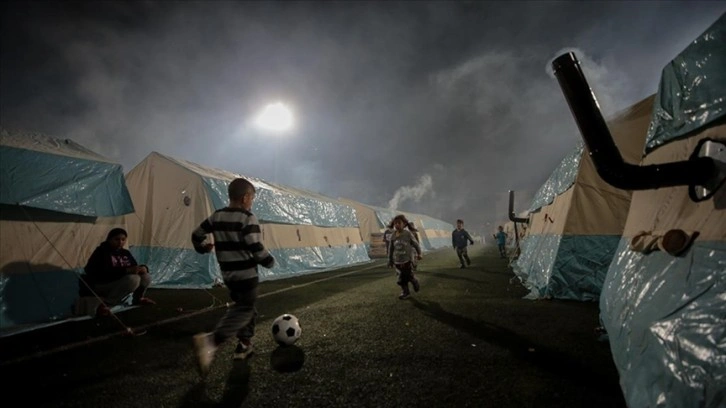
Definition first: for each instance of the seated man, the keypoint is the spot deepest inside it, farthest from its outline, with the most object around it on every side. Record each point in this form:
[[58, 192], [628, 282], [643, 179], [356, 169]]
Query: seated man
[[113, 273]]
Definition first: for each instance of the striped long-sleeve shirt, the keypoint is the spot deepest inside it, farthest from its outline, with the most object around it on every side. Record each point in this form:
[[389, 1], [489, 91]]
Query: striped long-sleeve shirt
[[237, 243]]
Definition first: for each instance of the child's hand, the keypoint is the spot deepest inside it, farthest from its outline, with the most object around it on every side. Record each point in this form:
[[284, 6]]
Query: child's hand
[[134, 270], [419, 257], [208, 247]]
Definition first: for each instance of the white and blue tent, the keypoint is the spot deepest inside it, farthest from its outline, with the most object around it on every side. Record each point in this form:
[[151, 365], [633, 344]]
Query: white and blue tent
[[664, 307], [576, 219], [305, 231], [372, 220], [58, 200]]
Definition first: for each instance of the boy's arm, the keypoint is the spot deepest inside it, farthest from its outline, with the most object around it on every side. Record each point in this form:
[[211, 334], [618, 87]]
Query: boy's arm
[[453, 239], [253, 239], [199, 236], [469, 237]]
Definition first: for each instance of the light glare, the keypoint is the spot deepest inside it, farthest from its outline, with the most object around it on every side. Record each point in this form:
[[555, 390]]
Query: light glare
[[276, 117]]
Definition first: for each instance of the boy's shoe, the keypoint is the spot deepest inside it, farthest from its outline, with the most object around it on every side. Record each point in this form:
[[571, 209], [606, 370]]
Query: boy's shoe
[[462, 267], [416, 285], [403, 296], [468, 262], [243, 350], [204, 349]]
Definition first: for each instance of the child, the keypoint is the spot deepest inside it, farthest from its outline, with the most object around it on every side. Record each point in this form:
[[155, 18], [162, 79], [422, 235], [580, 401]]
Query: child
[[459, 239], [112, 273], [400, 254], [238, 246], [501, 238]]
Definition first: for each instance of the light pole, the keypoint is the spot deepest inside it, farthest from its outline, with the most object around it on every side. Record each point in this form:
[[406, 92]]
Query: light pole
[[276, 119]]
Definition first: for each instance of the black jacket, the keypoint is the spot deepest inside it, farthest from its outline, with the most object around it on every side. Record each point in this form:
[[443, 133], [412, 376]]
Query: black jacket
[[106, 265]]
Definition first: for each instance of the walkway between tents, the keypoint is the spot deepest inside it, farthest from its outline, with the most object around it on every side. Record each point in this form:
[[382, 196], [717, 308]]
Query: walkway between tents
[[467, 339]]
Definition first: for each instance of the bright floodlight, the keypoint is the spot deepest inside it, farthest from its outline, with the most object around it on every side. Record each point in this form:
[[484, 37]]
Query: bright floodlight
[[275, 116]]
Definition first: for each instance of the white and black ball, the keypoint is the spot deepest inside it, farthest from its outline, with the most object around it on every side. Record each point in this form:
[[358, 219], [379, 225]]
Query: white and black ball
[[286, 329]]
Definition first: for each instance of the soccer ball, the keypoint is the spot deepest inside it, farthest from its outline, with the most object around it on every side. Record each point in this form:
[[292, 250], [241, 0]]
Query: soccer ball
[[286, 329]]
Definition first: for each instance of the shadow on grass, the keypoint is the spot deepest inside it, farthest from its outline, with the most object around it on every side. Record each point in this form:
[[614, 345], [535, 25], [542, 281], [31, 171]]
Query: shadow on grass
[[238, 385], [236, 390], [197, 397], [554, 362], [287, 359], [448, 276]]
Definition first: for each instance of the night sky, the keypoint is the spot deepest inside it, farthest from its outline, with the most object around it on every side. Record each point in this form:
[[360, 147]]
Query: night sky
[[437, 108]]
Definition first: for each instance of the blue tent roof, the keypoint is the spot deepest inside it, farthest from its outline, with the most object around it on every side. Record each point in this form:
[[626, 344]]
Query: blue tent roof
[[60, 175]]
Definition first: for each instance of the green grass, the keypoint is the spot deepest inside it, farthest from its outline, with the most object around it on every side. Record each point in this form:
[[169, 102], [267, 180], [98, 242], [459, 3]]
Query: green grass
[[467, 339]]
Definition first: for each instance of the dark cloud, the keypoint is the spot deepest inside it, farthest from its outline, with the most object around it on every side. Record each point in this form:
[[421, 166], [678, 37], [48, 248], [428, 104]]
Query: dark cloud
[[439, 107]]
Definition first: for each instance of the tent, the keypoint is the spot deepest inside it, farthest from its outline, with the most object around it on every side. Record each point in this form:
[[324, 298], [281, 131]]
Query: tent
[[664, 310], [433, 233], [58, 200], [305, 231], [576, 219]]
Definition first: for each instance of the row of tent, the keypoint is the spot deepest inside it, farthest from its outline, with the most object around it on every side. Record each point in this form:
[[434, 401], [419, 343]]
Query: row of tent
[[58, 200], [654, 259]]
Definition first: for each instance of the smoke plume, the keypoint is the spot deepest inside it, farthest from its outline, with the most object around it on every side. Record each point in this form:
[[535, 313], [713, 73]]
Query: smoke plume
[[415, 192]]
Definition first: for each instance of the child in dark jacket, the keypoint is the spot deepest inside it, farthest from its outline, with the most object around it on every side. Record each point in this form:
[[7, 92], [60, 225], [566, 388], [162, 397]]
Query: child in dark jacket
[[460, 238], [112, 273]]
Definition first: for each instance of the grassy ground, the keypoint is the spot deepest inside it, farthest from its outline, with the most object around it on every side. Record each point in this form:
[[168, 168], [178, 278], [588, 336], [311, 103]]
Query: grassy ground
[[468, 339]]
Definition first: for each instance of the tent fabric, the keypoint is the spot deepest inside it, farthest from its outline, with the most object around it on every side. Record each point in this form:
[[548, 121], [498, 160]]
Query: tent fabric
[[274, 202], [433, 233], [368, 221], [305, 231], [286, 205], [568, 267], [576, 218], [59, 200], [692, 85], [560, 180], [40, 171], [664, 314]]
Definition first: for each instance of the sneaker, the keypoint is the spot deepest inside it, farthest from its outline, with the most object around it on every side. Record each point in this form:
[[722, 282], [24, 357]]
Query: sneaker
[[204, 348], [403, 296], [416, 285], [103, 311], [243, 349], [468, 262], [462, 267]]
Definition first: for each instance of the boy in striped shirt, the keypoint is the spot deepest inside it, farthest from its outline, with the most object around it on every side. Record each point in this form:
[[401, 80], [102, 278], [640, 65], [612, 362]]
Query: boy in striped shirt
[[239, 249]]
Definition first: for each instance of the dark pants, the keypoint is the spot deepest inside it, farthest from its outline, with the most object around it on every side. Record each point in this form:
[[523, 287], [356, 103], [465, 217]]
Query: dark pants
[[240, 318], [463, 255], [114, 292], [405, 275], [502, 251]]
